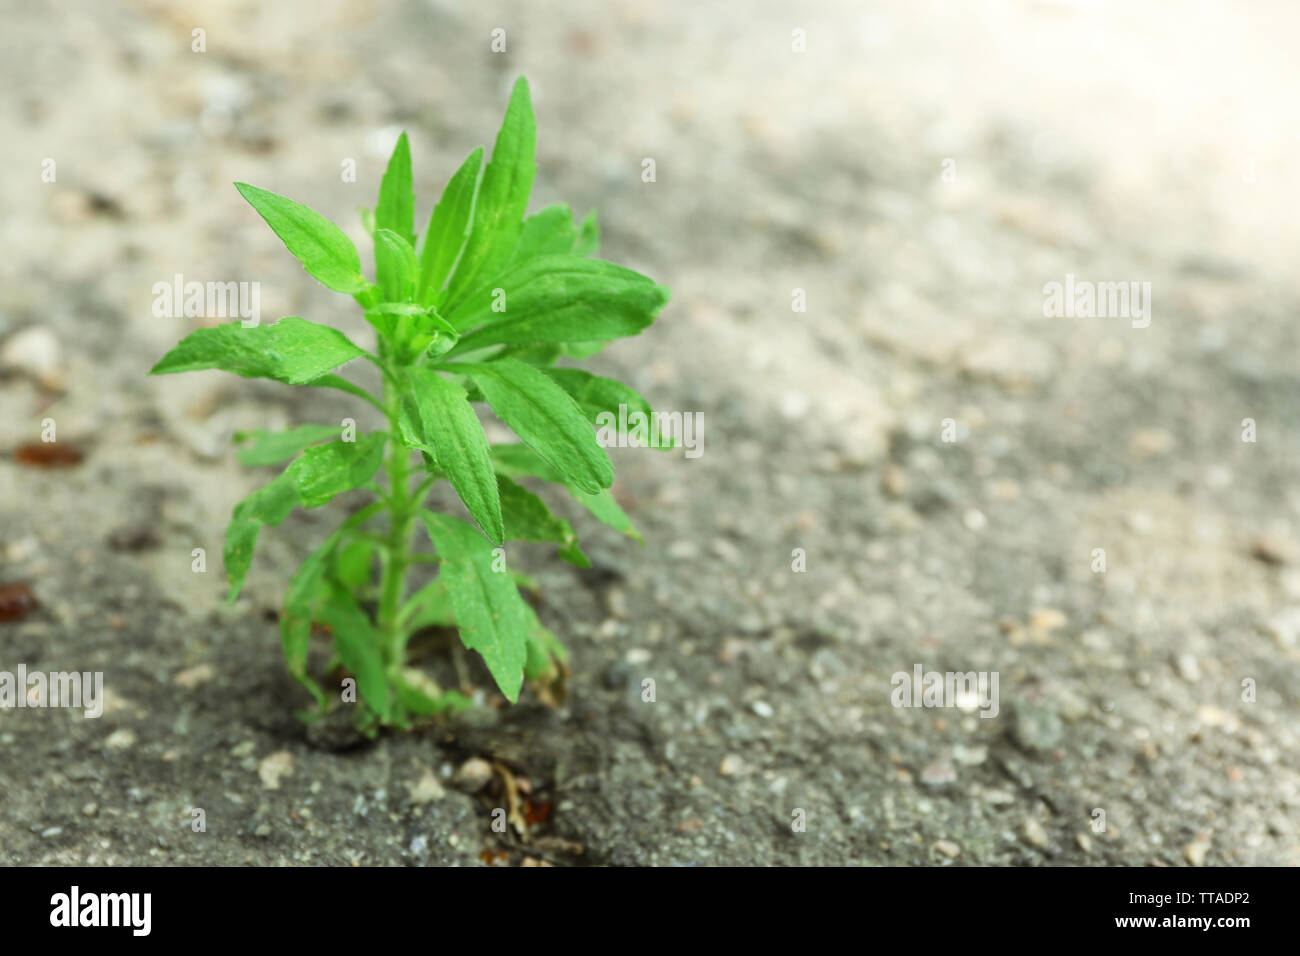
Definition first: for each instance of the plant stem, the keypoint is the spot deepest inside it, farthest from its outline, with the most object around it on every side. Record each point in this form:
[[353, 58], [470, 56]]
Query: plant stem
[[401, 511]]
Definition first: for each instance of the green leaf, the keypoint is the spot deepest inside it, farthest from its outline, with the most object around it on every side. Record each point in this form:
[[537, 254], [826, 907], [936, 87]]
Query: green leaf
[[359, 648], [541, 355], [442, 422], [323, 471], [324, 250], [499, 210], [270, 448], [490, 615], [412, 329], [270, 504], [449, 227], [606, 509], [431, 605], [581, 350], [549, 232], [559, 299], [434, 336], [546, 418], [588, 241], [306, 591], [395, 266], [516, 461], [387, 317], [293, 351], [343, 385], [419, 701], [396, 208], [352, 564], [528, 519], [543, 648], [371, 295], [598, 397]]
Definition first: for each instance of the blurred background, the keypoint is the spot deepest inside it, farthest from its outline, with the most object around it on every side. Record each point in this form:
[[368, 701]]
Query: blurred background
[[915, 173]]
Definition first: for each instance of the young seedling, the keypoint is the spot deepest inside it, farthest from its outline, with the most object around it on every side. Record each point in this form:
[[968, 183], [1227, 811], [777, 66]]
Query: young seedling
[[477, 311]]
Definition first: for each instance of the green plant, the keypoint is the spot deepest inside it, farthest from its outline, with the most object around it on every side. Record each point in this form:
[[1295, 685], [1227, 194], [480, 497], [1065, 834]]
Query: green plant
[[480, 311]]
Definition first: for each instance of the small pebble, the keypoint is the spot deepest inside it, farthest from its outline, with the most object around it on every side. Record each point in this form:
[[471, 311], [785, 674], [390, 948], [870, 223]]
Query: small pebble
[[939, 773], [948, 848], [1188, 668], [273, 767], [970, 756], [194, 676], [120, 739], [427, 789], [35, 352], [731, 766], [1196, 852], [473, 775], [1034, 833], [1047, 620]]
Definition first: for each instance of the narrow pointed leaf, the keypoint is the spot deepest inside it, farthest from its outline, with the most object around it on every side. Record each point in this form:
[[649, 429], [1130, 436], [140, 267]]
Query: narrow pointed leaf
[[490, 615], [543, 355], [517, 461], [528, 519], [343, 385], [503, 197], [395, 266], [614, 408], [270, 448], [396, 208], [442, 422], [324, 250], [449, 227], [599, 398], [588, 241], [559, 299], [546, 418], [270, 504], [293, 351], [543, 649], [547, 233], [323, 471], [359, 647], [306, 591]]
